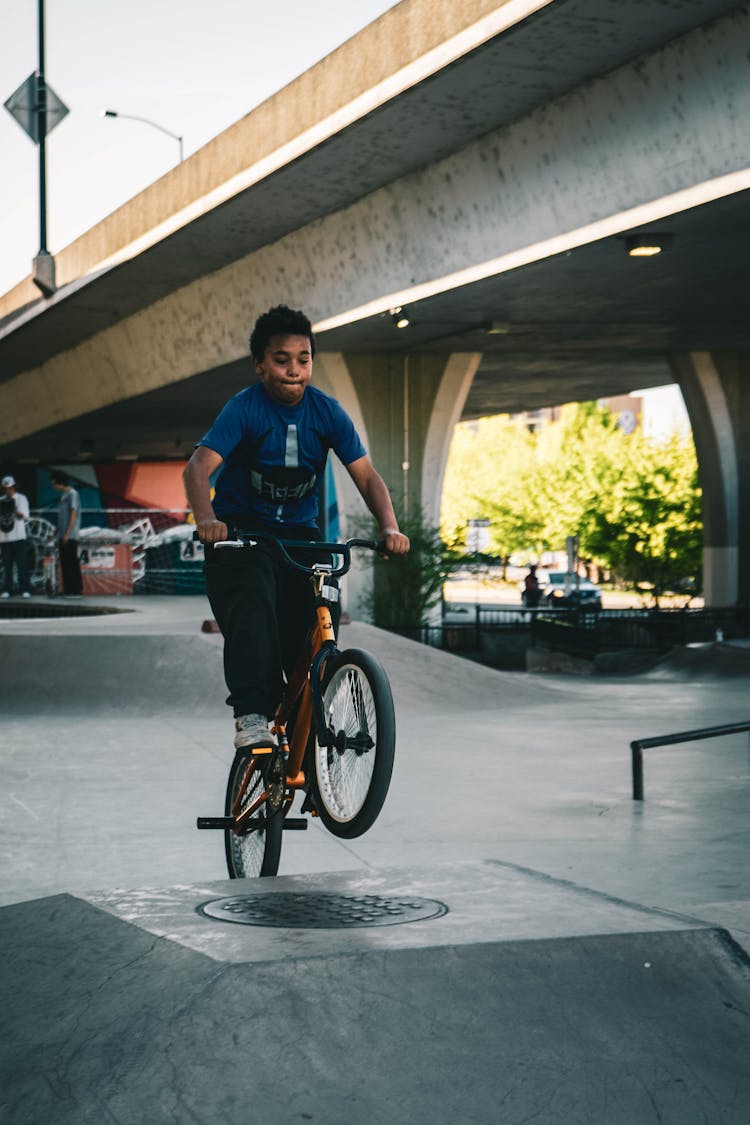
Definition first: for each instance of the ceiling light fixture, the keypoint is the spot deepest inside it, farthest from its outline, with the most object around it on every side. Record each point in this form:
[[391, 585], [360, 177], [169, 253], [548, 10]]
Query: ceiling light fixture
[[647, 245], [399, 317]]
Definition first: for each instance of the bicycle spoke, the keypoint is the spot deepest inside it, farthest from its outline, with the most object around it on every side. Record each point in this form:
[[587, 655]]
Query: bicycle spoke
[[255, 850], [351, 719]]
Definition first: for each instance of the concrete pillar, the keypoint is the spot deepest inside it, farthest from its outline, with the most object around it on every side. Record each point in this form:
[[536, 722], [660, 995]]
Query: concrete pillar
[[405, 407], [716, 389]]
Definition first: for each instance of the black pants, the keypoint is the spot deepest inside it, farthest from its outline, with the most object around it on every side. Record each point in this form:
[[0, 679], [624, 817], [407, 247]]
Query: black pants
[[264, 610], [16, 552], [70, 567]]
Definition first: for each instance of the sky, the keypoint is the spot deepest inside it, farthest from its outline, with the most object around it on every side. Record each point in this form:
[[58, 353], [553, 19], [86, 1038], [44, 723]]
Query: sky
[[192, 66]]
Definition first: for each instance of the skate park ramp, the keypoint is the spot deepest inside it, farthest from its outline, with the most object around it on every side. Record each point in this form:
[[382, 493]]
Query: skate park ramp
[[528, 998], [713, 661], [524, 1000], [106, 669], [111, 674]]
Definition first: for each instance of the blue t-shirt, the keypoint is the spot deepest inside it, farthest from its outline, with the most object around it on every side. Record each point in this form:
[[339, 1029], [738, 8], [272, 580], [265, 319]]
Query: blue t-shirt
[[274, 455]]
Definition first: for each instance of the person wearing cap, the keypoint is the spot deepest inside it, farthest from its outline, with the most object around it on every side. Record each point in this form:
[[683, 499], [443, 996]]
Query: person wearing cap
[[14, 512]]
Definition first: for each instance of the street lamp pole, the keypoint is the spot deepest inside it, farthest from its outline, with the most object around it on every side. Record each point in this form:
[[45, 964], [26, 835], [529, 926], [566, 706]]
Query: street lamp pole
[[37, 109], [42, 126], [146, 121], [44, 263]]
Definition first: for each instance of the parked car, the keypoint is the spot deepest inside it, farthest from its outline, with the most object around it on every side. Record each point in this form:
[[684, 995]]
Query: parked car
[[570, 590]]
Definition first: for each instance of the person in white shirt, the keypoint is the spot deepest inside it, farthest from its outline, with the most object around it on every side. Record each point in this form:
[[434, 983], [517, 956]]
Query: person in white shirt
[[14, 512]]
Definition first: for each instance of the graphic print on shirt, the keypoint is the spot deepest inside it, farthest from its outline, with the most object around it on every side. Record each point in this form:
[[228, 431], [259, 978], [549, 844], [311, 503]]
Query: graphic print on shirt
[[285, 483]]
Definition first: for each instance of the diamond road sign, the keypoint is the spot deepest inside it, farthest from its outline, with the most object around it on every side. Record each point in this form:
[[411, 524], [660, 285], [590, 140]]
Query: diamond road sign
[[24, 106]]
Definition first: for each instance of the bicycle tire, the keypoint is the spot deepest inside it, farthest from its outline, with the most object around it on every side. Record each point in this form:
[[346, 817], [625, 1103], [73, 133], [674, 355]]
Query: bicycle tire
[[257, 852], [350, 780]]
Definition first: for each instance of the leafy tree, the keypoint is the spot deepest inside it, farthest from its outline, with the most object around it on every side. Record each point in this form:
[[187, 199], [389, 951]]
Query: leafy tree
[[488, 475], [633, 503], [650, 531]]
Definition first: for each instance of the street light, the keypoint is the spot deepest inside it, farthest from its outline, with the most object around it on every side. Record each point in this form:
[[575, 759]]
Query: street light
[[145, 121]]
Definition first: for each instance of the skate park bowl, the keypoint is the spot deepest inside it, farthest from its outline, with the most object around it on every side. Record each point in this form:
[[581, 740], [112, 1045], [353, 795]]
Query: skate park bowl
[[512, 940]]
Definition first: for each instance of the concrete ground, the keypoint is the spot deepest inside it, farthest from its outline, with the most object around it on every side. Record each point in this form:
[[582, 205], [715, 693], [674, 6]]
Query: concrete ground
[[510, 803], [121, 721]]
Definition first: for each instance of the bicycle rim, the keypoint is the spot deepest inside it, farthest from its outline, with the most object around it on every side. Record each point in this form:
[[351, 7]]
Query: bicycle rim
[[258, 851], [353, 774]]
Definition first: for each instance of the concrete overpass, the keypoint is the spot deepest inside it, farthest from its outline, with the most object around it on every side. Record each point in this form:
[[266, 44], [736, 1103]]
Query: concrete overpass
[[479, 162]]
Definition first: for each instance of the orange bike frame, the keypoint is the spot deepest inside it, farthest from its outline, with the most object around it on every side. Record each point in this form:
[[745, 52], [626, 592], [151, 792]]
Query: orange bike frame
[[298, 688]]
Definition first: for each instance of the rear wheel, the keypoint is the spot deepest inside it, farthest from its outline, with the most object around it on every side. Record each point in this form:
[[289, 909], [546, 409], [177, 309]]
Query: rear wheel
[[256, 851], [350, 776]]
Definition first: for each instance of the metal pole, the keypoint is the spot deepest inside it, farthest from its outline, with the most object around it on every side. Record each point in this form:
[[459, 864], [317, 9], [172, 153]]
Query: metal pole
[[42, 120], [405, 463], [637, 769], [44, 263]]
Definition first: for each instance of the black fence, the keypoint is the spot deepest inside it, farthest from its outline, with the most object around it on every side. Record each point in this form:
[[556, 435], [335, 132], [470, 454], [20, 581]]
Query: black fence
[[587, 633], [501, 636]]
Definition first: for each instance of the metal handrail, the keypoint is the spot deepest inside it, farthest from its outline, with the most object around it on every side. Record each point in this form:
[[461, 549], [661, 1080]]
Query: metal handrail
[[640, 744]]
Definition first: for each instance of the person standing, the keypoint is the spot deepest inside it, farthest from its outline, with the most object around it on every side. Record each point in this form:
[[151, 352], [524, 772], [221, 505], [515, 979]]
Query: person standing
[[14, 512], [68, 532], [531, 589]]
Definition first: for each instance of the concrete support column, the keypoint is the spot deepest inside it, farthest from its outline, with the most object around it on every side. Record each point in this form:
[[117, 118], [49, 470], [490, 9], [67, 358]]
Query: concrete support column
[[405, 407], [716, 389], [455, 383]]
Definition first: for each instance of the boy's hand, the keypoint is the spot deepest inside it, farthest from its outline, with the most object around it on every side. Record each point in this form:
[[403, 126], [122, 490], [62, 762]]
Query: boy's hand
[[394, 543], [211, 531]]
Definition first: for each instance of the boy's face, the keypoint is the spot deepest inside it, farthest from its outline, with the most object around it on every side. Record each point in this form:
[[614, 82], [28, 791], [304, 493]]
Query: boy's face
[[286, 368]]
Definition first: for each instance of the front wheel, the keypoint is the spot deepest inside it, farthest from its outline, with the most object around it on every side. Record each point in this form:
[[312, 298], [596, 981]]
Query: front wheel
[[351, 774], [256, 851]]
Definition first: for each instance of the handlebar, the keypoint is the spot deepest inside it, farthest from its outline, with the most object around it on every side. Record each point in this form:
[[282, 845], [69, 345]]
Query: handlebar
[[248, 540]]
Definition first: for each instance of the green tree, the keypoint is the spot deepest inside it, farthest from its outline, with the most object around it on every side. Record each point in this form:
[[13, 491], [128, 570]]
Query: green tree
[[650, 530], [634, 503], [488, 475]]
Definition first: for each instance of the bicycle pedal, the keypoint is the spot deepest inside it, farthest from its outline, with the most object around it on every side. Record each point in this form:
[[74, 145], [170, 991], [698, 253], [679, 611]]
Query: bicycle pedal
[[295, 823], [214, 822]]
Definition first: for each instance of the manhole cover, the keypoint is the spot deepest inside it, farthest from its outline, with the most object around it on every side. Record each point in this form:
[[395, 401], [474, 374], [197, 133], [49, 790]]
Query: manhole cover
[[321, 911]]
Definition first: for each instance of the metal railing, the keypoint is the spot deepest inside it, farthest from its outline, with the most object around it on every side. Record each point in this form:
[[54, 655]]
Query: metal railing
[[640, 744], [501, 635], [121, 551], [583, 632]]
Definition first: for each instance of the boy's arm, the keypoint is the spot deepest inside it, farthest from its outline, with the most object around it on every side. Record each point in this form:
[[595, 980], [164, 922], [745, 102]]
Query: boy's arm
[[197, 475], [372, 488]]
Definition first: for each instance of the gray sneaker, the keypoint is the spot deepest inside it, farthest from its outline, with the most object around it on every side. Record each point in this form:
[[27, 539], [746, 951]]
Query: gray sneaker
[[252, 730]]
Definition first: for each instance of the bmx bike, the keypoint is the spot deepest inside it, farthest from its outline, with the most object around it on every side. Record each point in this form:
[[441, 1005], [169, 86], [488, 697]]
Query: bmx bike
[[335, 731]]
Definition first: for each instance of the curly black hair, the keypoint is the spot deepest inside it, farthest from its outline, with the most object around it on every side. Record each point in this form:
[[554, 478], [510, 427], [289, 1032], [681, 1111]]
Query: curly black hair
[[279, 321]]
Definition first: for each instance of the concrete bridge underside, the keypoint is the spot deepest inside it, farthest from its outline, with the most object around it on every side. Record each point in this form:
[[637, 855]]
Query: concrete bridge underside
[[481, 164]]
